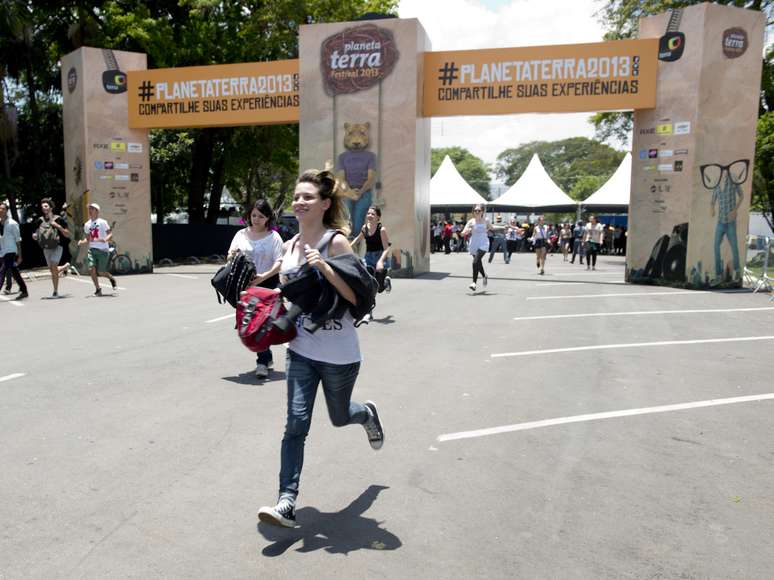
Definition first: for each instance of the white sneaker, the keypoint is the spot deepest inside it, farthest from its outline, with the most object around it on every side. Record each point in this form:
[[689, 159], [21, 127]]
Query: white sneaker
[[261, 371], [472, 286], [486, 281], [282, 514], [387, 284]]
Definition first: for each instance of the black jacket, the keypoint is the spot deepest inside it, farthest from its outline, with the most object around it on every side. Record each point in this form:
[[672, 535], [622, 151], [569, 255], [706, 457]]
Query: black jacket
[[310, 293]]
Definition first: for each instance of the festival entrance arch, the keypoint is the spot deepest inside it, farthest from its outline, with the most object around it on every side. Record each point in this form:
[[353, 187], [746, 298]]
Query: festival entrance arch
[[364, 93]]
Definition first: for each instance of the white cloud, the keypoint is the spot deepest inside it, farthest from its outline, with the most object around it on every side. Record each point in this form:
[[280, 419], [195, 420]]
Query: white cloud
[[470, 24]]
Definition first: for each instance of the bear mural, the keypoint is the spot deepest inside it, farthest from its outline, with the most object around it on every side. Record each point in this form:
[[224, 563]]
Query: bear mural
[[356, 171]]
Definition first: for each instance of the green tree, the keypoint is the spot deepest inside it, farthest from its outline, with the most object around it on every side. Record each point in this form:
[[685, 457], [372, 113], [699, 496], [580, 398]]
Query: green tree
[[470, 167], [621, 19], [567, 162], [763, 173]]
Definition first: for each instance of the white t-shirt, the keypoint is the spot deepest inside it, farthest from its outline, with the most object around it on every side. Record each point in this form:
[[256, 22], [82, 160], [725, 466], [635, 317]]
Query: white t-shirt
[[264, 252], [97, 229], [595, 232], [336, 341]]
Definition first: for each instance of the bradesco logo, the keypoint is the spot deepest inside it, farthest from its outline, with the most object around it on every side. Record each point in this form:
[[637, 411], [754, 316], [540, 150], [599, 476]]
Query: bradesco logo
[[671, 46], [357, 58]]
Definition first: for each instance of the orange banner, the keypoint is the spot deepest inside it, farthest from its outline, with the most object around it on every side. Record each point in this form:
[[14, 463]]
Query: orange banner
[[253, 93], [603, 76]]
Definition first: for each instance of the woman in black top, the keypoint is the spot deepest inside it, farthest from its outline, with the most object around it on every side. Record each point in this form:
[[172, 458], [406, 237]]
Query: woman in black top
[[377, 247]]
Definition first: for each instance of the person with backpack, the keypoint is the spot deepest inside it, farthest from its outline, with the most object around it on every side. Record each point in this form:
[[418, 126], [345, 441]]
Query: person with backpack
[[377, 241], [10, 250], [52, 235], [98, 236], [331, 354], [263, 246]]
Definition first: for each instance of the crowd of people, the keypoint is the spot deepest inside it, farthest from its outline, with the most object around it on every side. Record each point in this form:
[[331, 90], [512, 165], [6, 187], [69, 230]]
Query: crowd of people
[[480, 236], [512, 237]]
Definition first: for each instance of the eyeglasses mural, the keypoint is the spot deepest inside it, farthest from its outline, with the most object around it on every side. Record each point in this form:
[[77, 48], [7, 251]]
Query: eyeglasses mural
[[712, 173]]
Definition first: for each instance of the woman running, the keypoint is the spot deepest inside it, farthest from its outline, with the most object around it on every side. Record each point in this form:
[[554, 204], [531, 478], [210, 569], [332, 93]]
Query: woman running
[[478, 246], [540, 243], [331, 354], [377, 247], [259, 242], [594, 235]]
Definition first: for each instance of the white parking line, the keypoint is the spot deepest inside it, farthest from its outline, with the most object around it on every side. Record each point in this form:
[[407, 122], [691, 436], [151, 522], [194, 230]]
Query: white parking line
[[629, 345], [226, 317], [11, 301], [673, 293], [596, 273], [10, 377], [87, 282], [600, 416], [642, 313], [577, 282], [181, 276]]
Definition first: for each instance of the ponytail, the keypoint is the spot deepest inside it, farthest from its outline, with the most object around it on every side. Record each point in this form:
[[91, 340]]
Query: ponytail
[[336, 216]]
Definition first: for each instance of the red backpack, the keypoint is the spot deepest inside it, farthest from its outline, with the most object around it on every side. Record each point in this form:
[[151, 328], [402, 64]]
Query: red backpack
[[256, 312]]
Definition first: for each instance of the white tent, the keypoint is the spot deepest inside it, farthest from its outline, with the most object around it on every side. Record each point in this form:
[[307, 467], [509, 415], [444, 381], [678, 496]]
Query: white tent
[[613, 196], [535, 190], [448, 189]]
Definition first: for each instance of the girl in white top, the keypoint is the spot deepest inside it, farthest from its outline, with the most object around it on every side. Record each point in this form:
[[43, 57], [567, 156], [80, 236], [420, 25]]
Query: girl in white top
[[593, 239], [259, 242], [540, 243], [478, 246], [331, 355]]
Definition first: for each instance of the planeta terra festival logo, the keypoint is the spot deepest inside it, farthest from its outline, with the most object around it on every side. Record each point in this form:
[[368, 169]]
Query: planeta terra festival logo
[[734, 42], [72, 79], [357, 58]]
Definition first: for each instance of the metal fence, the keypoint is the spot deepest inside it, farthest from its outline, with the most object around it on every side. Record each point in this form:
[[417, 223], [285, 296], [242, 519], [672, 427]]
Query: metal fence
[[759, 263]]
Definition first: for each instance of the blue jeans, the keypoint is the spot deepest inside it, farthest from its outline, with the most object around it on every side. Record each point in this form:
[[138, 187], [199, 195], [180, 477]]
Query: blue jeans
[[727, 229], [303, 377], [358, 210]]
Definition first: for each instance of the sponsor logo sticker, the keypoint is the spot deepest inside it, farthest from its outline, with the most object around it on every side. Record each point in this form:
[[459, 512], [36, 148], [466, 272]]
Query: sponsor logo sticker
[[652, 153], [681, 152], [116, 146], [679, 165], [122, 177], [666, 153], [108, 165], [121, 166], [643, 153], [99, 165], [135, 177], [106, 177], [134, 148], [683, 128], [665, 167], [664, 129]]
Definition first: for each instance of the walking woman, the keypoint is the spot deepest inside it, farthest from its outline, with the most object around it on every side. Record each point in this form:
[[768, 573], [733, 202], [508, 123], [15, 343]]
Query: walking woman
[[594, 235], [512, 238], [540, 243], [259, 242], [478, 228], [330, 355], [377, 247], [565, 238]]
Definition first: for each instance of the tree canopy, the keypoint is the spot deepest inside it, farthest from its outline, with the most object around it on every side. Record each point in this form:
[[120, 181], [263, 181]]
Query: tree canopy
[[578, 165], [470, 167], [188, 167]]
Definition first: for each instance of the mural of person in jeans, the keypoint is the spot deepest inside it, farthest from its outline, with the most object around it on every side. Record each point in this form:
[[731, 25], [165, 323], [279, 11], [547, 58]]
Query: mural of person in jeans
[[727, 195], [356, 169]]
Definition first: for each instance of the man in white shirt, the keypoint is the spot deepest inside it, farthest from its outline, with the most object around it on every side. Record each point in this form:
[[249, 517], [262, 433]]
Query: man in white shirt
[[98, 236], [10, 250]]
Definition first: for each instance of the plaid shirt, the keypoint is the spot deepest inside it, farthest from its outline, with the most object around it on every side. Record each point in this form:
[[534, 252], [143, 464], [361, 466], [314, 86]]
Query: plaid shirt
[[726, 198]]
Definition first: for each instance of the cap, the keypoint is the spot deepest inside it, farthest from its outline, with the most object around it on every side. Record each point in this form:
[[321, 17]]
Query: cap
[[94, 205]]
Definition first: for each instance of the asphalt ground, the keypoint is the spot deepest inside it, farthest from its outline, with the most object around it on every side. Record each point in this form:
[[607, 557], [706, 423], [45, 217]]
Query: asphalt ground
[[136, 444]]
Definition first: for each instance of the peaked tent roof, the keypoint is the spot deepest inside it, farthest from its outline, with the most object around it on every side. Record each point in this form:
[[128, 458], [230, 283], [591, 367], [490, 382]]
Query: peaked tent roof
[[449, 189], [614, 194], [535, 190]]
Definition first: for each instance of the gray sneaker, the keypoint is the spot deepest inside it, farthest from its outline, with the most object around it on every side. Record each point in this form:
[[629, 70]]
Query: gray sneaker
[[373, 427], [261, 371]]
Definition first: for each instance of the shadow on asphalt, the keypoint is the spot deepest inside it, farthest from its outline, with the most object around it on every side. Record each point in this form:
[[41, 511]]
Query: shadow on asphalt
[[248, 378], [389, 319], [547, 278], [335, 532], [431, 276]]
